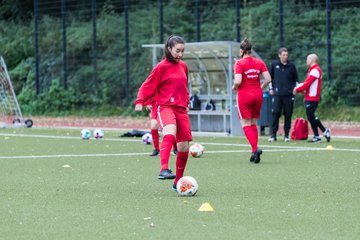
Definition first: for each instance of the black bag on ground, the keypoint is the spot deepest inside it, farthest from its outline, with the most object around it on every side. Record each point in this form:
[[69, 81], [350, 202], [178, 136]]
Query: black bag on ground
[[195, 103], [210, 106], [134, 133]]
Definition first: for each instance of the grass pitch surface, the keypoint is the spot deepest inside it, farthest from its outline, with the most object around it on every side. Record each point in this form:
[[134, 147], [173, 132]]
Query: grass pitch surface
[[54, 185]]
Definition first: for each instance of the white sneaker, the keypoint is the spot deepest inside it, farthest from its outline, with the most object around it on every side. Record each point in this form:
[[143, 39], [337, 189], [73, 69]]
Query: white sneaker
[[327, 134], [315, 139], [272, 139], [286, 139]]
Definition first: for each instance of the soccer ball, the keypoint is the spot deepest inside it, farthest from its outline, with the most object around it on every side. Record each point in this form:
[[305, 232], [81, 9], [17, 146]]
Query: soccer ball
[[187, 186], [85, 134], [196, 150], [98, 133], [147, 138]]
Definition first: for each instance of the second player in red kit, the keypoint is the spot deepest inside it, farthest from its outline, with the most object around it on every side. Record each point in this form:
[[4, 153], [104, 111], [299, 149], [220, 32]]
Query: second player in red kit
[[247, 72]]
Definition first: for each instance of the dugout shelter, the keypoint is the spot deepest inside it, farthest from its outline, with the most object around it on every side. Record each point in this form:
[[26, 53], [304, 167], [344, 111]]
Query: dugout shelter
[[210, 79]]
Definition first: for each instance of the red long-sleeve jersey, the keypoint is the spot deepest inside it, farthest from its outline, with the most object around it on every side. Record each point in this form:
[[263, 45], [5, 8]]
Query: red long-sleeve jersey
[[167, 84], [250, 68], [312, 84]]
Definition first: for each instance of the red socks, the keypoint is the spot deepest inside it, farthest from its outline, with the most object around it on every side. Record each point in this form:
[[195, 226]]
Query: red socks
[[255, 131], [156, 141], [251, 136], [165, 149], [168, 142], [155, 137], [181, 160]]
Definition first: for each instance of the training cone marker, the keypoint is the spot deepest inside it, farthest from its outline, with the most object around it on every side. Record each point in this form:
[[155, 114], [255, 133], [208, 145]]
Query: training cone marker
[[329, 147], [206, 207]]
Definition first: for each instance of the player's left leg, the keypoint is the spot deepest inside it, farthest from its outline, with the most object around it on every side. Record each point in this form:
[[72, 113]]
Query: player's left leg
[[256, 152], [251, 135], [169, 132], [167, 121], [310, 107], [326, 131], [255, 156], [183, 137]]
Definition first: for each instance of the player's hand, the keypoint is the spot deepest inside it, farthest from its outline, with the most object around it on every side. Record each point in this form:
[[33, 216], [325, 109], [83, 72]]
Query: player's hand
[[271, 92], [138, 107], [294, 91], [235, 87], [148, 107]]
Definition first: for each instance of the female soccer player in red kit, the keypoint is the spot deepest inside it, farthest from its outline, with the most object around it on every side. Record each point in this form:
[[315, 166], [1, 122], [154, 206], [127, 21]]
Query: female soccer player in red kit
[[168, 85], [249, 94]]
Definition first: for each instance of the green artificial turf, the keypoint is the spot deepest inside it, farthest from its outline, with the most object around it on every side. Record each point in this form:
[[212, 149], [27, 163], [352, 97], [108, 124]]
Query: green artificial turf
[[54, 185]]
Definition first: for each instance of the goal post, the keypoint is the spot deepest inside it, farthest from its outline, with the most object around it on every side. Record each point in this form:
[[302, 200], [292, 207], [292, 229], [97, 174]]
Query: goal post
[[10, 112]]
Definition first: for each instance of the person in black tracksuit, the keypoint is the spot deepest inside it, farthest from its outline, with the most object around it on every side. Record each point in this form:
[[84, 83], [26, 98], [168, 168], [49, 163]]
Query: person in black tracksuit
[[284, 78]]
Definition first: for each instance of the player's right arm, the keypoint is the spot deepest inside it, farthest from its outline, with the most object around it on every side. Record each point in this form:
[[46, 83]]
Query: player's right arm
[[265, 74], [267, 79], [312, 76], [237, 81], [147, 89], [238, 76]]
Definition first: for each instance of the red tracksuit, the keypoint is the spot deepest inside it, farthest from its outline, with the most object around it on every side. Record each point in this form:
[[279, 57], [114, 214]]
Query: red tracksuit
[[312, 84]]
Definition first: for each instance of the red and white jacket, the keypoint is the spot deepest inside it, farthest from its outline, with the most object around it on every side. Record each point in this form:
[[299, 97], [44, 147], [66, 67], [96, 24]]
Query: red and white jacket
[[167, 85], [312, 84]]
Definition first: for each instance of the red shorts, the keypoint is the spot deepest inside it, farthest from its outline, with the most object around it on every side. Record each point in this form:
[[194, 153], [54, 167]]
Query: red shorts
[[249, 104], [177, 116]]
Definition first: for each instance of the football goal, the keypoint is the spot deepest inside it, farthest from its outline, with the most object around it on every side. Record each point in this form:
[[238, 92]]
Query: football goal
[[10, 112]]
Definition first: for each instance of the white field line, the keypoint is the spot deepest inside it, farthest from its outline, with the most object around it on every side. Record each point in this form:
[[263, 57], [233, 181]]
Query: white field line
[[73, 155], [139, 154], [271, 148], [67, 137], [204, 143], [200, 134], [138, 140], [280, 148]]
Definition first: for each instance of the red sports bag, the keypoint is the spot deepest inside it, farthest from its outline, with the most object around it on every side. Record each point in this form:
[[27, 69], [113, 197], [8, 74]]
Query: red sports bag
[[300, 130]]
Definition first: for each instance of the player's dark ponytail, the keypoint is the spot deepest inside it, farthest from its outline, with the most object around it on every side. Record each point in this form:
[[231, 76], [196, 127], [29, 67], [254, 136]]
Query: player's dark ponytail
[[245, 45], [170, 43]]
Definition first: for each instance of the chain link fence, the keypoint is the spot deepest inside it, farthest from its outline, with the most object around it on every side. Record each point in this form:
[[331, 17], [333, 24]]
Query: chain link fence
[[93, 48]]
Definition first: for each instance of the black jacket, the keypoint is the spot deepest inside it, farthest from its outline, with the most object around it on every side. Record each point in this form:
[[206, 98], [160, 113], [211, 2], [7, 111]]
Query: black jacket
[[283, 78]]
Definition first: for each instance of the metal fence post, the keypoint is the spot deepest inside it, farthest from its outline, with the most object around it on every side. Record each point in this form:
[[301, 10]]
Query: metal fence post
[[126, 14], [94, 54], [238, 20], [197, 20], [63, 18], [328, 40], [161, 20], [281, 23], [36, 36]]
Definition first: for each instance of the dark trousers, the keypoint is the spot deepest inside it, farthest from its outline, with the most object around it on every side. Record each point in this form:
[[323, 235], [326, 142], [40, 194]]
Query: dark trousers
[[315, 122], [281, 104]]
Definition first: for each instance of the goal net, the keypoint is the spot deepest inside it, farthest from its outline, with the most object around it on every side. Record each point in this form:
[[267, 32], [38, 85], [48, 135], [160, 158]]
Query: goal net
[[10, 112]]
